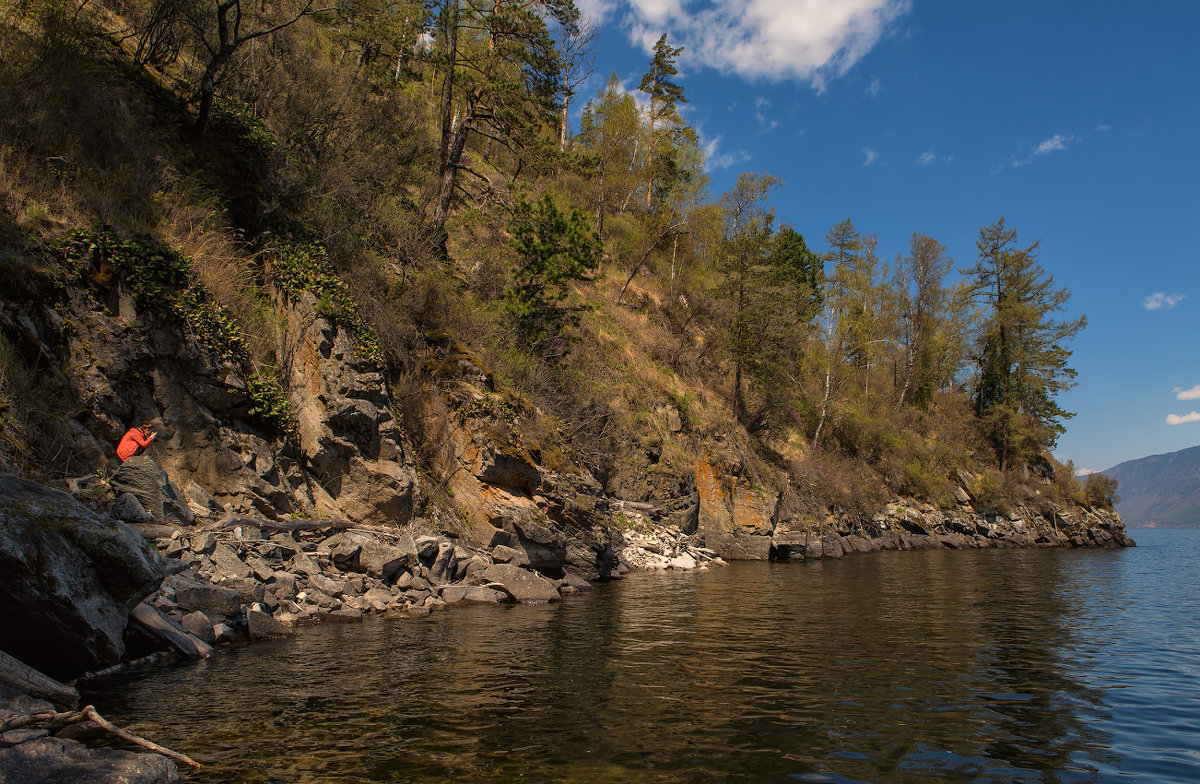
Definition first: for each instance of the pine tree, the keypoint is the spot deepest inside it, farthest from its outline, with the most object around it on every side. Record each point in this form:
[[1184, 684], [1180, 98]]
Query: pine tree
[[1021, 348], [663, 115], [553, 249]]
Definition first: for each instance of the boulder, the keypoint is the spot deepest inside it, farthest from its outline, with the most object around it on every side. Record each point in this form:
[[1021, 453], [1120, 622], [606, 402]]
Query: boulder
[[212, 600], [199, 624], [53, 760], [383, 561], [521, 584], [472, 594], [129, 509], [327, 585], [505, 554], [226, 563], [145, 479], [262, 626], [69, 578], [443, 564]]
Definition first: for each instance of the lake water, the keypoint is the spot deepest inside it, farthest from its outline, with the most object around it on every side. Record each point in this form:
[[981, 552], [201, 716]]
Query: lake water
[[974, 666]]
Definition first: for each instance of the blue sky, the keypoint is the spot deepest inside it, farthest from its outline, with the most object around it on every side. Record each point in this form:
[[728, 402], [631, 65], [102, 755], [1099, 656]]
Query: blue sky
[[1079, 121]]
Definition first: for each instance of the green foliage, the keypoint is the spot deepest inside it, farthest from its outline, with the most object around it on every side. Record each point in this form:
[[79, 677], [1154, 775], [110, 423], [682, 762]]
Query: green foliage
[[1021, 347], [1101, 491], [163, 282], [269, 403], [553, 250], [297, 266], [490, 408]]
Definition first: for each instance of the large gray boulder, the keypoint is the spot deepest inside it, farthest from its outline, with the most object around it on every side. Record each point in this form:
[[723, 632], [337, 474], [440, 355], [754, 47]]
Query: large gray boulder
[[521, 584], [69, 578], [62, 761], [145, 480]]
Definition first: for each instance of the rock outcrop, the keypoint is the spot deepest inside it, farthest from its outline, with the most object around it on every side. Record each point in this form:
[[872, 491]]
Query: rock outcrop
[[69, 578], [734, 519], [921, 527], [349, 438]]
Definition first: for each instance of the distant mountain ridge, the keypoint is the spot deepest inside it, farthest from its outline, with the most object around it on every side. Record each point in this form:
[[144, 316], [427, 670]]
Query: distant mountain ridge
[[1160, 491]]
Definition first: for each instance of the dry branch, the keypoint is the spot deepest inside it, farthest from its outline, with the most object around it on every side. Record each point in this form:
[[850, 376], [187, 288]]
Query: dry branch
[[53, 720]]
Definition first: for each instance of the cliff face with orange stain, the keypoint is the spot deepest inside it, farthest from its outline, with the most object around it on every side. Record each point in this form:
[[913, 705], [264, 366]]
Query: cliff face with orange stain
[[735, 519]]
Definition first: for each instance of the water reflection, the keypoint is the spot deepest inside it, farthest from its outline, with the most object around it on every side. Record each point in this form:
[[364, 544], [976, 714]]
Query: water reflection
[[900, 667]]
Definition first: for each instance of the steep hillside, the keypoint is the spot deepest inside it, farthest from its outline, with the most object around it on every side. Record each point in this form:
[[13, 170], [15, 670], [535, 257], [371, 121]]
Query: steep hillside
[[369, 287], [1160, 491]]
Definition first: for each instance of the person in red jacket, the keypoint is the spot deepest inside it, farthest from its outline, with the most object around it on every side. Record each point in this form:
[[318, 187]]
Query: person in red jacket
[[135, 441]]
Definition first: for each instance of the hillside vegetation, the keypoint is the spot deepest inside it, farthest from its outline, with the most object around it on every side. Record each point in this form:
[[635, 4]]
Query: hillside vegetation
[[411, 165]]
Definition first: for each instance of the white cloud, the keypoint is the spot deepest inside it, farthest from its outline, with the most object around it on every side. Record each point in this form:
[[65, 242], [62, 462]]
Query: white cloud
[[929, 157], [1055, 143], [870, 155], [1103, 128], [1187, 394], [715, 159], [596, 10], [875, 87], [1160, 300], [1176, 419], [765, 123], [807, 41]]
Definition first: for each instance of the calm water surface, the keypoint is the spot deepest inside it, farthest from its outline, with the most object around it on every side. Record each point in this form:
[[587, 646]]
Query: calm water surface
[[981, 666]]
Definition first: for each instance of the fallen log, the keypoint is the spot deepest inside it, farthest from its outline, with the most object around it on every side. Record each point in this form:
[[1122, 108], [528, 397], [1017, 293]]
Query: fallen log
[[20, 676], [149, 618], [53, 720], [278, 526]]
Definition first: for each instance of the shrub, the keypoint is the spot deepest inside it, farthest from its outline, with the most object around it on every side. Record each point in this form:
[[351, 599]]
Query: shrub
[[1101, 491]]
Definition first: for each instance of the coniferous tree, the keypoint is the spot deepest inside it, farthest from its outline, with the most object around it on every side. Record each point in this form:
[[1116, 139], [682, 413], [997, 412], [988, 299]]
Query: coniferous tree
[[663, 116], [553, 249], [1021, 347]]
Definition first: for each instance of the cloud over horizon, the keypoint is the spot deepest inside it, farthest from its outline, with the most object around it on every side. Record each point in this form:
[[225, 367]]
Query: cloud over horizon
[[808, 41], [1177, 419], [1160, 300]]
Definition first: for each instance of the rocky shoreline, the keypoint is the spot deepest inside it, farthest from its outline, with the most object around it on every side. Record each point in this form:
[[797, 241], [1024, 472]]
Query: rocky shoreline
[[100, 590]]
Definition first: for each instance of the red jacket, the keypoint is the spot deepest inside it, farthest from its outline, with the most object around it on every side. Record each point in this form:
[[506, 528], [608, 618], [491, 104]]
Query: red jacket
[[132, 443]]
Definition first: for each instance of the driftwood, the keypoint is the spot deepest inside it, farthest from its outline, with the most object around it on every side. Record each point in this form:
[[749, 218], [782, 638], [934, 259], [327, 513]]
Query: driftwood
[[52, 720], [233, 521], [155, 530], [157, 624], [120, 666], [637, 506], [20, 676]]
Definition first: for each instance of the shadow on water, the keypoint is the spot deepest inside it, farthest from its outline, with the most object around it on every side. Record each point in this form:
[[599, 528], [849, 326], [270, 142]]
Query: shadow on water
[[901, 667]]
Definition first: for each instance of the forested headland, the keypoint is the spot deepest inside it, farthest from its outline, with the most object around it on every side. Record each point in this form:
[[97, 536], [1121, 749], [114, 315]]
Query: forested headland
[[575, 290]]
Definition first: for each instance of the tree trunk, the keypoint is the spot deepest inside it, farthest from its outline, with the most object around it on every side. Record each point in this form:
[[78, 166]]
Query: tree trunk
[[451, 13], [650, 158], [450, 171], [21, 677], [824, 403], [154, 622]]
